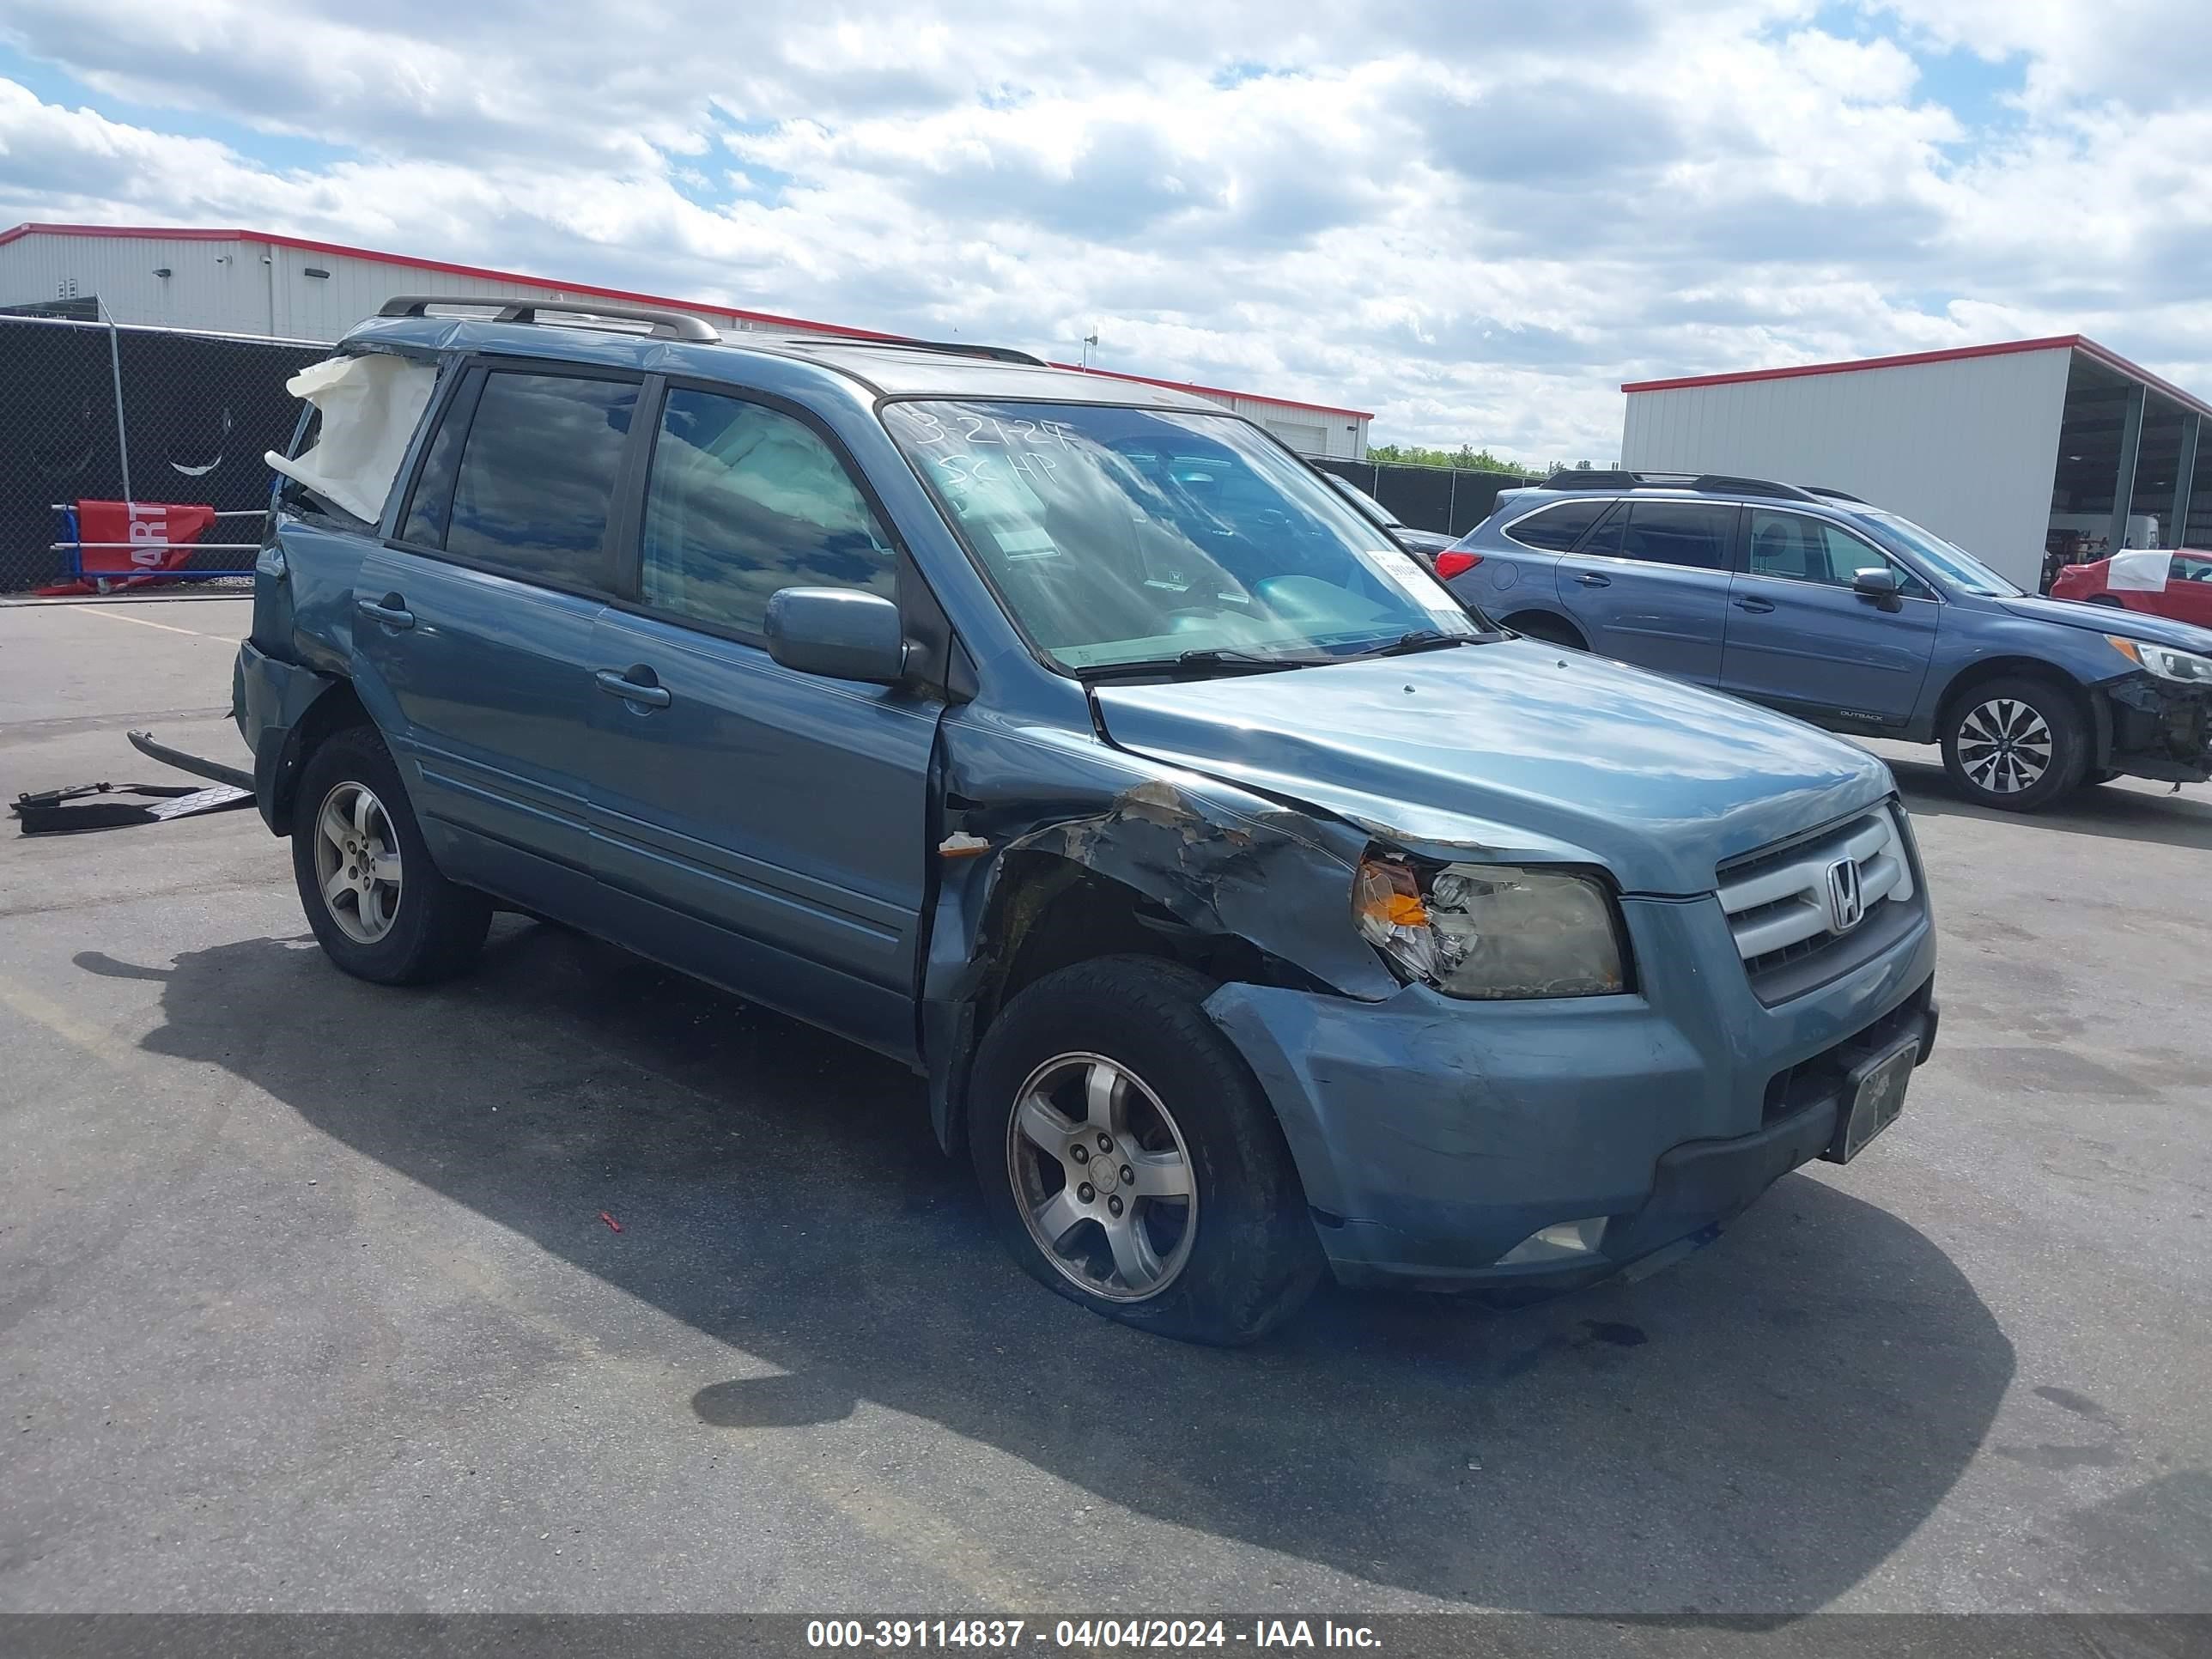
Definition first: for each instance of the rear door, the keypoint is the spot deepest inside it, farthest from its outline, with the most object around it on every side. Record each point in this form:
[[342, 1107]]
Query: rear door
[[762, 827], [1515, 575], [1799, 637], [1650, 585], [473, 636]]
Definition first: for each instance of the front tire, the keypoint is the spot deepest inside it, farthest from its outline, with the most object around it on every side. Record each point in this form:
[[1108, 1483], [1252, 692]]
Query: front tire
[[2016, 743], [1130, 1161], [381, 909]]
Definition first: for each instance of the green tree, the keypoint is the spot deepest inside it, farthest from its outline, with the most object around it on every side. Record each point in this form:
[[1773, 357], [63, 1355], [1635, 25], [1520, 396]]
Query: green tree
[[1466, 456]]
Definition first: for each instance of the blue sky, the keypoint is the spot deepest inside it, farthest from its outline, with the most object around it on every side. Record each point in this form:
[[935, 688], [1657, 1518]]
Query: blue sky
[[1475, 228]]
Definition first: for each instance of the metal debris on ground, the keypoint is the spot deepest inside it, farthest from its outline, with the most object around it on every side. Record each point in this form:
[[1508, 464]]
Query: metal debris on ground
[[84, 807]]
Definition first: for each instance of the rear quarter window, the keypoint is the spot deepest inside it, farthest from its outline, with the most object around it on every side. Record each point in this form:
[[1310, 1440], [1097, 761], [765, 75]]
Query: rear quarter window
[[1556, 528]]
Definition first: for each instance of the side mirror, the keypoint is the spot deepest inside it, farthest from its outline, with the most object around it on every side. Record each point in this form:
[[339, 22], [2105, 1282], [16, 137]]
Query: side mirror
[[837, 632], [1878, 583]]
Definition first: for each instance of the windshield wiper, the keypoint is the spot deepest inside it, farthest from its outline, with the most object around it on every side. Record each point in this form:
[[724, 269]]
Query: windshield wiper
[[1421, 639], [1196, 662]]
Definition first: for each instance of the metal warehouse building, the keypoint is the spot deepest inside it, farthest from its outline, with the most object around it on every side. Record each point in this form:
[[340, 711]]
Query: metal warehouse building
[[2008, 450], [243, 282]]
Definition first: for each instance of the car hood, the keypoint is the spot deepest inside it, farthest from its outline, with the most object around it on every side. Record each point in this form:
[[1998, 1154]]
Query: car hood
[[2110, 619], [1512, 749]]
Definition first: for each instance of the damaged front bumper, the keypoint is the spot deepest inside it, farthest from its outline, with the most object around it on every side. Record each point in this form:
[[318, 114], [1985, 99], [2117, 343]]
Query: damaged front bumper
[[2161, 728], [1434, 1136]]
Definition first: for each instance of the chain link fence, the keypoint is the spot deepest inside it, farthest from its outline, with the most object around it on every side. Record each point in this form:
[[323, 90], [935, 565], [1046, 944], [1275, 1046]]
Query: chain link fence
[[1452, 500], [197, 414]]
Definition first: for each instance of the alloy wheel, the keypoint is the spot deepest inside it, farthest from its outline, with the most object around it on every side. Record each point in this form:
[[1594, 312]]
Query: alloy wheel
[[2004, 746], [1103, 1177], [357, 862]]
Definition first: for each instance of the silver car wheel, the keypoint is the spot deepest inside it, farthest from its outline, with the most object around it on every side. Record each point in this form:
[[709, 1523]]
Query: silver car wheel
[[357, 863], [1103, 1177], [2004, 746]]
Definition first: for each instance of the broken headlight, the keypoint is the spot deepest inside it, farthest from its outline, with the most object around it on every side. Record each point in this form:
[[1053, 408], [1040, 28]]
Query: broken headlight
[[1491, 930], [2163, 660]]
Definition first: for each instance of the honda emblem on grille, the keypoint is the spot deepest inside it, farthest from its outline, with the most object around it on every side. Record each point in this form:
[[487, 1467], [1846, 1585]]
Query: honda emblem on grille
[[1845, 903]]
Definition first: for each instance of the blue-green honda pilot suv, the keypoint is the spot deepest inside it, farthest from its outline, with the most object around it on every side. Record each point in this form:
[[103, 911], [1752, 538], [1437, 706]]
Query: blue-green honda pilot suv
[[1254, 909]]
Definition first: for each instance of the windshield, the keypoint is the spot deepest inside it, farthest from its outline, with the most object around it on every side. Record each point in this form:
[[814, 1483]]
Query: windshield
[[1365, 502], [1116, 535], [1955, 564]]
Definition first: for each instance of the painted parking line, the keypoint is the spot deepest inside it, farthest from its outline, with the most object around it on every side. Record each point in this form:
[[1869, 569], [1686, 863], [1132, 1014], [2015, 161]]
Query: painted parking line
[[167, 628]]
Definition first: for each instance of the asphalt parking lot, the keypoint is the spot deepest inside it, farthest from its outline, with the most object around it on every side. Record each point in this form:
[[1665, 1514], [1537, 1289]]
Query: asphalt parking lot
[[309, 1299]]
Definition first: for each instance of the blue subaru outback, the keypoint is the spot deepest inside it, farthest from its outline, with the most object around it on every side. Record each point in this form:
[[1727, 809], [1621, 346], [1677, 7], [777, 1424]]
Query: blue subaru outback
[[1252, 909], [1851, 616]]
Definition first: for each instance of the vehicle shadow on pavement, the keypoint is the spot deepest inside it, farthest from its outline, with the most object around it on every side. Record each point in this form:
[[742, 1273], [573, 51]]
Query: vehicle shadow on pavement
[[1753, 1431], [2122, 812]]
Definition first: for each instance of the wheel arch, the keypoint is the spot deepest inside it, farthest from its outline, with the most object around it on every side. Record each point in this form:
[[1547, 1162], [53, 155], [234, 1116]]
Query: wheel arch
[[336, 708], [1544, 617], [1046, 911], [2096, 719]]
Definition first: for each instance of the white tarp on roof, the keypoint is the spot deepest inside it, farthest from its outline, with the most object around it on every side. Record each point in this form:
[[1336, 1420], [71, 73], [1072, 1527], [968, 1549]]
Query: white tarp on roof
[[370, 406]]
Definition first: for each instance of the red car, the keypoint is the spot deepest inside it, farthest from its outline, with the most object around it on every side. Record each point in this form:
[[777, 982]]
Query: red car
[[2176, 583]]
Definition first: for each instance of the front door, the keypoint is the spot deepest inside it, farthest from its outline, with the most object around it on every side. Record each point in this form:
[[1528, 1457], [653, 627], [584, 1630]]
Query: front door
[[1801, 637], [2188, 588], [1650, 586], [472, 631], [762, 827]]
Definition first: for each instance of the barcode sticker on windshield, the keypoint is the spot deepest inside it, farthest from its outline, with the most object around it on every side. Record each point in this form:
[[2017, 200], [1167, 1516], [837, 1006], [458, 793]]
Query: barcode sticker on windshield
[[1399, 568]]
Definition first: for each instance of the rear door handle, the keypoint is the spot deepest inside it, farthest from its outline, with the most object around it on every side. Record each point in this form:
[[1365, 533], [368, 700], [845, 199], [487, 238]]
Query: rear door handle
[[1591, 579], [1760, 605], [391, 610], [637, 684]]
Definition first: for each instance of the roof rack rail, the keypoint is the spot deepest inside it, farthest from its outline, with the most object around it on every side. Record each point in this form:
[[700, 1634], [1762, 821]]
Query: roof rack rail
[[1728, 483], [1585, 477], [666, 324], [1719, 483], [957, 349], [1834, 495]]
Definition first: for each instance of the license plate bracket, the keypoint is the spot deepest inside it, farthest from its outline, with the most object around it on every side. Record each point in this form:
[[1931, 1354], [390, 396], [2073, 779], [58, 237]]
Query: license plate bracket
[[1873, 1096]]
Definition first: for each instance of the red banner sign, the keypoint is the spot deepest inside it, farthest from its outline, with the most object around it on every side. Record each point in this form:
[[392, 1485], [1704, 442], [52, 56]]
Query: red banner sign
[[127, 542]]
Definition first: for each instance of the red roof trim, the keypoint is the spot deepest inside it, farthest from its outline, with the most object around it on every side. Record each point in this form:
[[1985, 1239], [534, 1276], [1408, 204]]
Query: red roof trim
[[2080, 342], [767, 319], [1952, 355]]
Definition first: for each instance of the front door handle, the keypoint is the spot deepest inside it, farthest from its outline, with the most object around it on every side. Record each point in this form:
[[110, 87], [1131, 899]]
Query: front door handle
[[1591, 579], [636, 684], [391, 610], [1758, 605]]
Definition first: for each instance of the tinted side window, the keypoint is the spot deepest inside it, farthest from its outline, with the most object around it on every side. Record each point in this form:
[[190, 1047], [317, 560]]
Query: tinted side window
[[1791, 546], [1693, 534], [425, 524], [1555, 529], [743, 500], [1605, 539], [536, 477]]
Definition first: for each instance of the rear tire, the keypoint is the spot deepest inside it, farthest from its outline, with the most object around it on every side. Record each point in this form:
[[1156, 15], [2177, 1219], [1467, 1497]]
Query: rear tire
[[1114, 1062], [2105, 600], [381, 909], [2017, 744], [1548, 630]]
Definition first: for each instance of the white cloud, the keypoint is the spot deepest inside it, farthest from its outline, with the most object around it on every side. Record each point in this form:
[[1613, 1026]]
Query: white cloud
[[1475, 228]]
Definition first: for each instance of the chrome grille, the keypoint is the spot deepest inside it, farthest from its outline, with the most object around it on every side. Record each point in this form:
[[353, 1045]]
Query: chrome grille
[[1782, 913]]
